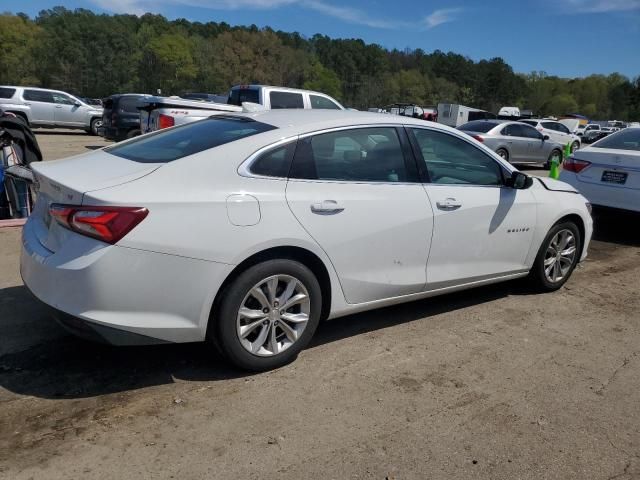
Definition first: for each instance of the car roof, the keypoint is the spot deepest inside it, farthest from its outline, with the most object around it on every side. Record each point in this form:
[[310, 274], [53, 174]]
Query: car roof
[[303, 120]]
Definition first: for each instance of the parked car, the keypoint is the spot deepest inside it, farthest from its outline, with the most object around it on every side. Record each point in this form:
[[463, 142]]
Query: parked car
[[556, 131], [92, 101], [590, 127], [516, 142], [121, 116], [593, 135], [41, 107], [246, 230], [412, 110], [163, 112], [608, 172], [573, 124]]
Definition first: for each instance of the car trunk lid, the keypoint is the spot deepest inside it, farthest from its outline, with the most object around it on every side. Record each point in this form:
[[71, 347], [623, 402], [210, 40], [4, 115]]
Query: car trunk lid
[[610, 167]]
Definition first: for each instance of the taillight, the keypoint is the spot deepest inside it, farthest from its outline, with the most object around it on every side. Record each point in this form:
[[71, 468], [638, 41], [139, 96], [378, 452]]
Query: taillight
[[572, 164], [478, 138], [165, 121], [108, 224]]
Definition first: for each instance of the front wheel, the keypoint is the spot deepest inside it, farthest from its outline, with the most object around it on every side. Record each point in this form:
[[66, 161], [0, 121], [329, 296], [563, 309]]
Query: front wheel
[[557, 258], [96, 123], [267, 315]]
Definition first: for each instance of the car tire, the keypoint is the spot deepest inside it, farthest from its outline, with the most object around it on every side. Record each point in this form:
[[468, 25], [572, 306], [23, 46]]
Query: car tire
[[503, 153], [553, 153], [265, 343], [132, 133], [575, 146], [94, 125], [554, 264]]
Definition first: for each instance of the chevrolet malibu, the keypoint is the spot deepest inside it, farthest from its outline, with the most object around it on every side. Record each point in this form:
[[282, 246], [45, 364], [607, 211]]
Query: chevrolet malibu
[[247, 230]]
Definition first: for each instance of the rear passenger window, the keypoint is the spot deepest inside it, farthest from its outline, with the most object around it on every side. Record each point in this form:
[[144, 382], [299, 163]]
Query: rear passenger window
[[322, 103], [38, 96], [7, 92], [452, 161], [354, 155], [274, 163], [286, 100]]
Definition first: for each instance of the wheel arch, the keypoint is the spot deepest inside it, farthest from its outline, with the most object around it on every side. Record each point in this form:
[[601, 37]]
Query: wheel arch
[[577, 219], [300, 254]]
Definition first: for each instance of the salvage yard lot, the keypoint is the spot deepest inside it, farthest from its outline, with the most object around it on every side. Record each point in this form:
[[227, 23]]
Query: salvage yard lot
[[495, 383]]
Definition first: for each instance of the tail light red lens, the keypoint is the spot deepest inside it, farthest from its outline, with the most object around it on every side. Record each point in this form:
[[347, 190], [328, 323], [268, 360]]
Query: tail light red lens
[[572, 164], [108, 224], [165, 121], [478, 138]]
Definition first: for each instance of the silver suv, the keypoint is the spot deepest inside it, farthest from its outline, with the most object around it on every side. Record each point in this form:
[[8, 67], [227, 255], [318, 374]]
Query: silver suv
[[41, 107]]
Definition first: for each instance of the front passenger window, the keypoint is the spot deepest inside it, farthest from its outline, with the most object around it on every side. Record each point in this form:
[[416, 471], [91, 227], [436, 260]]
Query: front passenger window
[[453, 161]]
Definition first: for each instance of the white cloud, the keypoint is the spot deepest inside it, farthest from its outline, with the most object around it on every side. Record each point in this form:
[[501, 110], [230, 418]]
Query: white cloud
[[343, 13], [438, 17], [601, 6]]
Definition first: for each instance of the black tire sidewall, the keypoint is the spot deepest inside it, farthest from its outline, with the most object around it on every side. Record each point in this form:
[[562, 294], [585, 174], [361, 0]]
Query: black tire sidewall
[[506, 154], [224, 333], [538, 267], [93, 130]]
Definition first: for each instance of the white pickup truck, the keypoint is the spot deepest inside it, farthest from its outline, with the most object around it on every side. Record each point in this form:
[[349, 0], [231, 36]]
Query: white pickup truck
[[162, 112]]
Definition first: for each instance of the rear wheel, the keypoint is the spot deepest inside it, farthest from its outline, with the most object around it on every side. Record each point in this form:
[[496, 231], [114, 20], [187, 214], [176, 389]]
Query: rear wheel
[[267, 315], [557, 258], [503, 153], [554, 155], [574, 146]]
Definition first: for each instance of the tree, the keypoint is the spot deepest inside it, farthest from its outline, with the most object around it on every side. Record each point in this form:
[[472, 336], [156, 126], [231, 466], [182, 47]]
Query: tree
[[18, 37]]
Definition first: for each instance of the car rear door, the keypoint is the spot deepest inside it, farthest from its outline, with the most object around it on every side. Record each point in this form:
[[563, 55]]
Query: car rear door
[[517, 143], [357, 193], [42, 106], [482, 228]]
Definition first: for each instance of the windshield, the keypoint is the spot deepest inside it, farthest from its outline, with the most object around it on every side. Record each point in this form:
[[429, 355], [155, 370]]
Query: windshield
[[628, 139], [168, 145]]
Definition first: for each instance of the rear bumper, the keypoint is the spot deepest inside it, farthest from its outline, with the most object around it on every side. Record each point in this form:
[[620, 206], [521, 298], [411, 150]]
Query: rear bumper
[[601, 194], [98, 288]]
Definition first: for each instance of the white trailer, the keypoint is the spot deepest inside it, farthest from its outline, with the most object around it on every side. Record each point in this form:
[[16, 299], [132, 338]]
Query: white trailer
[[454, 115]]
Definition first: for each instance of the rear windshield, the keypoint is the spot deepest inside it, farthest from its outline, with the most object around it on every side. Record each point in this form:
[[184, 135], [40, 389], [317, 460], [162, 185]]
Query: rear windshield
[[7, 92], [477, 126], [239, 95], [627, 139], [168, 145]]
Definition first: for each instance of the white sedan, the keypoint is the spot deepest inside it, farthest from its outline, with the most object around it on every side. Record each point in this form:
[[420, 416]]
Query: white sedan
[[246, 230], [608, 172]]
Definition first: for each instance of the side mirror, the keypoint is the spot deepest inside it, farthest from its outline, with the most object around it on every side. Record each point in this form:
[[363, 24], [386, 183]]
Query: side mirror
[[77, 104], [519, 181], [546, 137]]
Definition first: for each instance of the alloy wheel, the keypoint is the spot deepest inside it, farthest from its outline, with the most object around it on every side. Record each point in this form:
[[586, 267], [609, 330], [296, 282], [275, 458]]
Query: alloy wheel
[[560, 255], [273, 315]]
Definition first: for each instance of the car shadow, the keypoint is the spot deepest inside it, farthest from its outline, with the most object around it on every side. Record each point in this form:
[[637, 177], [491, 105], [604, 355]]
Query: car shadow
[[60, 366], [616, 226], [94, 147], [39, 131]]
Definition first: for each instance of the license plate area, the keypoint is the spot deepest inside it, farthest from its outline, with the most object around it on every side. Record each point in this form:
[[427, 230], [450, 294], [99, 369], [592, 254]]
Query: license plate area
[[619, 178]]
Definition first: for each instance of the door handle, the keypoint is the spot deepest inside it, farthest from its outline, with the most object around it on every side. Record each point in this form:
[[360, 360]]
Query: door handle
[[58, 106], [326, 207], [449, 204]]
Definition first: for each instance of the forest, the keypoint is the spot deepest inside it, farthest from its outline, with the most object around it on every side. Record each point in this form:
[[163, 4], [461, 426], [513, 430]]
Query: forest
[[96, 55]]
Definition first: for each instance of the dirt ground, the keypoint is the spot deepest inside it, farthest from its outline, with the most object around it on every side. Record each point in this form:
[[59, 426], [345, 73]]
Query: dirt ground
[[494, 383]]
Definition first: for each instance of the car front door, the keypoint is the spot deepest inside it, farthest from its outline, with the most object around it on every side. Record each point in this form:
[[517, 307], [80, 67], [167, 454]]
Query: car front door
[[539, 148], [482, 228], [68, 111], [41, 104], [357, 193]]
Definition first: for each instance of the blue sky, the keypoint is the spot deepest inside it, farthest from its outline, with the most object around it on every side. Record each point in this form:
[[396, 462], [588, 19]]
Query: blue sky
[[562, 37]]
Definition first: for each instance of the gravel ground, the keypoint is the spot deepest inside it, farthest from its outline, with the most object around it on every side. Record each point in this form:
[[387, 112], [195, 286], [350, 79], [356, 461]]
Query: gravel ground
[[496, 383]]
